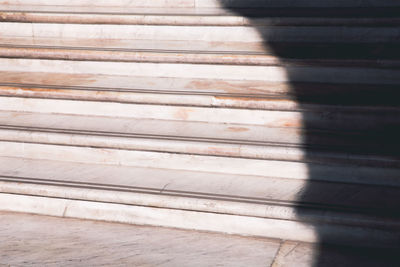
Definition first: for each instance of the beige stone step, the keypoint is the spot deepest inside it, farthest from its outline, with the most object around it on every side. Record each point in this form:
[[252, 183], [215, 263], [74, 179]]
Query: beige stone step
[[211, 3], [280, 74], [187, 16], [240, 141], [306, 34], [344, 121], [102, 193], [202, 163], [198, 92], [138, 45], [186, 57]]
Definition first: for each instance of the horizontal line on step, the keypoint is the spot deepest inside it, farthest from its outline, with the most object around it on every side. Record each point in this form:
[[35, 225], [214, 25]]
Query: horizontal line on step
[[181, 98], [259, 18], [37, 52]]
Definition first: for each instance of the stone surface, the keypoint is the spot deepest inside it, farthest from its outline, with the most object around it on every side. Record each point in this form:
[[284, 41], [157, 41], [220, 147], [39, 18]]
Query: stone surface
[[30, 240]]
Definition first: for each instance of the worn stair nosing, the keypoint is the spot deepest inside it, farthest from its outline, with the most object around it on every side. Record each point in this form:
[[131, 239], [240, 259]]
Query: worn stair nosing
[[32, 85], [210, 3], [189, 57], [281, 102], [192, 201], [27, 16]]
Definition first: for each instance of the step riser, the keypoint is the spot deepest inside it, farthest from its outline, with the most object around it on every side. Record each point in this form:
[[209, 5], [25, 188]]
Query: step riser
[[278, 169], [203, 33], [249, 226], [244, 73], [211, 3], [281, 119]]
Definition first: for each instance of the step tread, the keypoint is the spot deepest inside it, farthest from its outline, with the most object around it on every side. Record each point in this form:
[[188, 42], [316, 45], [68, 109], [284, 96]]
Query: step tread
[[374, 52], [337, 34], [354, 13], [137, 45], [149, 84], [201, 86], [183, 53], [116, 10], [227, 187], [139, 126]]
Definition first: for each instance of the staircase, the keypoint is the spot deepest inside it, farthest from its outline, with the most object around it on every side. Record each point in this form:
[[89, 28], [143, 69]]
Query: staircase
[[272, 118]]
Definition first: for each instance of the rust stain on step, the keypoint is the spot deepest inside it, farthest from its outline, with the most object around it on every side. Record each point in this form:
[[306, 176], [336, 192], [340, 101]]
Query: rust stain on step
[[239, 87], [238, 129], [183, 113], [223, 152], [48, 79], [290, 123], [248, 99]]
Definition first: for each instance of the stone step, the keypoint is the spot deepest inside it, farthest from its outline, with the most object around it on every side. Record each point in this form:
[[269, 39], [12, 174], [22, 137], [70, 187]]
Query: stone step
[[316, 74], [284, 50], [260, 118], [199, 92], [318, 120], [202, 163], [257, 207], [280, 102], [211, 3], [240, 141], [185, 57], [197, 16], [139, 45], [267, 34]]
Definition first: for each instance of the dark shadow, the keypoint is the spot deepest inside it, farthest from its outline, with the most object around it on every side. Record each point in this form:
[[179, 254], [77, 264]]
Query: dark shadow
[[349, 96]]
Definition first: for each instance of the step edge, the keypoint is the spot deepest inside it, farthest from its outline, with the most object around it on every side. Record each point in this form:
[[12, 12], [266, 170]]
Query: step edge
[[197, 202], [247, 226]]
